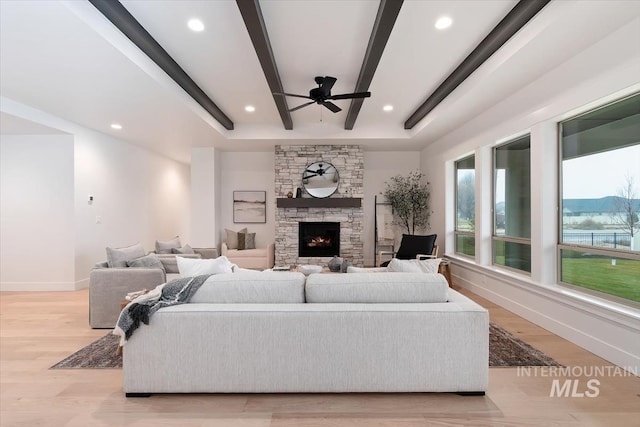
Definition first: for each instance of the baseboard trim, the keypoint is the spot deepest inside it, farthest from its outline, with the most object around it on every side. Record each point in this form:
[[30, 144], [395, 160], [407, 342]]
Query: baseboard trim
[[82, 284], [571, 329]]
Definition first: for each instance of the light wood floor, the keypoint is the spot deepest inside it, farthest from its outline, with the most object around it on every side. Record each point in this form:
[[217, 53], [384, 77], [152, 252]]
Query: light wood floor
[[38, 329]]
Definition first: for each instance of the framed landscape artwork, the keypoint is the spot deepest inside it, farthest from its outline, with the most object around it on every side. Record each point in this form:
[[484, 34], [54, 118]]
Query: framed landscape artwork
[[249, 206]]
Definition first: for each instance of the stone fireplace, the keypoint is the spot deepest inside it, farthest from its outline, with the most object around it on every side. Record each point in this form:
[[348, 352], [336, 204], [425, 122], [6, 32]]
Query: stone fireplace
[[290, 161]]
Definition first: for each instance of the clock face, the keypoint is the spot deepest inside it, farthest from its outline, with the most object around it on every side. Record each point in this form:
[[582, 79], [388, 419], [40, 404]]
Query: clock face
[[320, 179]]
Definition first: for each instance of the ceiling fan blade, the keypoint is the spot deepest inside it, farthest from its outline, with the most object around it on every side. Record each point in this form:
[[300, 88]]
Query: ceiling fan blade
[[351, 95], [331, 106], [302, 106], [291, 94], [327, 84]]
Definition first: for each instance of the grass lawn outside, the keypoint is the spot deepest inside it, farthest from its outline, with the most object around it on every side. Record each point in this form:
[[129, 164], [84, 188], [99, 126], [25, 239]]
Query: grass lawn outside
[[621, 280]]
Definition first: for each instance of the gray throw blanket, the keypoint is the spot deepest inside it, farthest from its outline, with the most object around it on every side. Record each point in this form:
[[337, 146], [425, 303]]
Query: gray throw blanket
[[177, 291]]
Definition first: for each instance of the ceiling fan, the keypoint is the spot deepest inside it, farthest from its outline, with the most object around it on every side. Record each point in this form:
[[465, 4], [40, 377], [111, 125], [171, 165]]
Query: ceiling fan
[[322, 95]]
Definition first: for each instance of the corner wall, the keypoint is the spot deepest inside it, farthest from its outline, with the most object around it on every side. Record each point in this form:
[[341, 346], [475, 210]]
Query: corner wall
[[139, 196], [246, 171], [380, 167]]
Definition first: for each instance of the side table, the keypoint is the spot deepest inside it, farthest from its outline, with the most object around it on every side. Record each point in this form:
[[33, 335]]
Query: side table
[[445, 269]]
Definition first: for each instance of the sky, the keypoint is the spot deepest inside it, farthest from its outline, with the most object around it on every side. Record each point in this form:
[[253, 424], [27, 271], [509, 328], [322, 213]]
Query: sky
[[600, 175], [594, 176]]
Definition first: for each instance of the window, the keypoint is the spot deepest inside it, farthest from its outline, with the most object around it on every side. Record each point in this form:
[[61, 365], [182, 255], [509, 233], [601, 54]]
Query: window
[[512, 204], [599, 246], [465, 206]]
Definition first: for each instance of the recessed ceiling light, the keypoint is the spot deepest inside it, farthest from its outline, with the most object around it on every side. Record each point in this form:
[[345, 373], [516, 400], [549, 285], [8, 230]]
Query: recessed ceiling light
[[443, 22], [116, 126], [388, 108], [249, 108], [195, 24]]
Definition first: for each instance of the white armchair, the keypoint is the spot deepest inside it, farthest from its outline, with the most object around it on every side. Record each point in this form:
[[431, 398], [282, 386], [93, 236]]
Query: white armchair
[[259, 258]]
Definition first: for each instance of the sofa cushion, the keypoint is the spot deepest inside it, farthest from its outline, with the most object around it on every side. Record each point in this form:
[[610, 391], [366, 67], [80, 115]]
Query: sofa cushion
[[414, 265], [247, 253], [246, 241], [354, 269], [147, 261], [376, 288], [171, 264], [186, 249], [269, 287], [197, 267], [232, 237], [118, 257], [165, 246]]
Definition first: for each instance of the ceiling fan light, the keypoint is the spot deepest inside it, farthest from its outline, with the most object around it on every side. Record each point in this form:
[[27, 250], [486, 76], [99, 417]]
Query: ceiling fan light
[[195, 25], [443, 22]]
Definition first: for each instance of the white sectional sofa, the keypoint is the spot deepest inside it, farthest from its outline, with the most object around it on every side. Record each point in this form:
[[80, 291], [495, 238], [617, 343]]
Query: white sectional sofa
[[279, 332]]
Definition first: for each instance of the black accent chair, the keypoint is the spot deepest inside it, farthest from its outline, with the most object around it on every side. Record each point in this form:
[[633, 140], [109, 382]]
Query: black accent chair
[[412, 247]]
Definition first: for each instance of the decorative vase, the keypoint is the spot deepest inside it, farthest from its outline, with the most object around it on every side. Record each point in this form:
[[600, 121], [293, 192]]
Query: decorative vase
[[345, 265], [298, 192], [290, 194], [335, 264]]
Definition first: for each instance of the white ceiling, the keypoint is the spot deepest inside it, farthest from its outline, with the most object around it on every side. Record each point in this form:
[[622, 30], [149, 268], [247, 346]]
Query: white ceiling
[[65, 58]]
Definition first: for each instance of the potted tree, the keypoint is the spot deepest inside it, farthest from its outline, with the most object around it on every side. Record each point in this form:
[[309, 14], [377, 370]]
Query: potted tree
[[410, 200]]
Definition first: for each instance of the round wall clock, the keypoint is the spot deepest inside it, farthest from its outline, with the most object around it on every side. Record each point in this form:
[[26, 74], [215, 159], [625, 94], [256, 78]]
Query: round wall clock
[[320, 179]]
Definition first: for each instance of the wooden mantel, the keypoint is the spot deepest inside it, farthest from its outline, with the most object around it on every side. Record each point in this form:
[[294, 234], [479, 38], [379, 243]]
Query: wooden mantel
[[328, 202]]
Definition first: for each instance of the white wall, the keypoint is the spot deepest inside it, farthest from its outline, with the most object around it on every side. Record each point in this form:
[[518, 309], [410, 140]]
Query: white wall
[[139, 196], [247, 171], [607, 70], [241, 171], [204, 230], [36, 212], [379, 167]]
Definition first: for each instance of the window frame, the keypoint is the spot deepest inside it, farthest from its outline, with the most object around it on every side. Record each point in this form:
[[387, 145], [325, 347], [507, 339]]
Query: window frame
[[456, 231], [494, 236], [576, 247]]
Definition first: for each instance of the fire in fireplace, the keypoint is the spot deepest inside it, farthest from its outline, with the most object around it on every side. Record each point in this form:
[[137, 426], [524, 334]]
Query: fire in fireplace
[[318, 239]]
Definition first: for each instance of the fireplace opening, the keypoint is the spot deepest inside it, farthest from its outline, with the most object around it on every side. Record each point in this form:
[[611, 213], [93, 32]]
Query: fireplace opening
[[318, 239]]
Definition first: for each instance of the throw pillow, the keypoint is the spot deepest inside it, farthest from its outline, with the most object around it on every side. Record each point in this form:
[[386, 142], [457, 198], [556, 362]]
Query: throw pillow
[[196, 267], [118, 257], [232, 237], [412, 245], [414, 265], [246, 241], [165, 246], [186, 249], [147, 261]]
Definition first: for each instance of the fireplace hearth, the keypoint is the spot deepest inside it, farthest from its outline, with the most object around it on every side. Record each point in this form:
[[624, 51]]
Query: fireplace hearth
[[318, 239]]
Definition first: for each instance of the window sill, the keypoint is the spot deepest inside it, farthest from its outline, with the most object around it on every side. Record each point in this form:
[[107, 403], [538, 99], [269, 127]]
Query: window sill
[[609, 310]]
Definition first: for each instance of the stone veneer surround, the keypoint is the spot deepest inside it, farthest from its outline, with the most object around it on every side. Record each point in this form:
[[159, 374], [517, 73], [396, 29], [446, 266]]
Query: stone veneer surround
[[290, 161]]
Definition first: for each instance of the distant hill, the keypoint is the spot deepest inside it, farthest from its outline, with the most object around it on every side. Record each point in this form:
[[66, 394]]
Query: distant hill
[[602, 206]]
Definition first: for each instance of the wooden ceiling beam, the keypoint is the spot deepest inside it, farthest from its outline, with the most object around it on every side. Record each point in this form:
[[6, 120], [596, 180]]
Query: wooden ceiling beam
[[387, 14], [517, 18], [119, 16], [253, 20]]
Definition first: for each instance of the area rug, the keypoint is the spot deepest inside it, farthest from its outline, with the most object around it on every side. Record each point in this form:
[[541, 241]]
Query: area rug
[[504, 350]]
